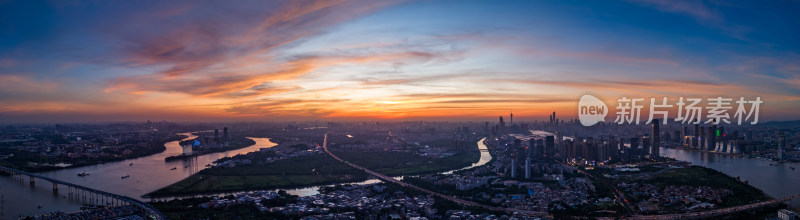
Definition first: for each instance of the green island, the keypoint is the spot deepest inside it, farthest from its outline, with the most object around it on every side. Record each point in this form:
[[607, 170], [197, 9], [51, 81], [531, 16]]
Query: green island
[[319, 169], [700, 176], [236, 142], [731, 191]]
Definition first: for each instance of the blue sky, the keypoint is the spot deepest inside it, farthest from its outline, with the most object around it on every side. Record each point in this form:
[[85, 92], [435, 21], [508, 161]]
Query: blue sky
[[263, 60]]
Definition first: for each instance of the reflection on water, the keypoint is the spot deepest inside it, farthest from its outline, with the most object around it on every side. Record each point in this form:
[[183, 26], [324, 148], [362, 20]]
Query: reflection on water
[[20, 198], [777, 181], [147, 174], [485, 158]]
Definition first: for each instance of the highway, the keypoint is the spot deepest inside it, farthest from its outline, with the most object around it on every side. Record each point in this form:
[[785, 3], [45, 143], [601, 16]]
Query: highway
[[443, 196]]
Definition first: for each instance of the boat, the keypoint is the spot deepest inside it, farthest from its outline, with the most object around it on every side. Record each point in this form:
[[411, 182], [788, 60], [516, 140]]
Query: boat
[[186, 167], [174, 168], [774, 165], [791, 168], [40, 206], [83, 174], [130, 164], [126, 176]]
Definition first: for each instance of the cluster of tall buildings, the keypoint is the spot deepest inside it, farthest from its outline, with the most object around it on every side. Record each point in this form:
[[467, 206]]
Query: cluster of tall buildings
[[590, 150], [503, 129], [598, 150], [712, 138], [523, 155]]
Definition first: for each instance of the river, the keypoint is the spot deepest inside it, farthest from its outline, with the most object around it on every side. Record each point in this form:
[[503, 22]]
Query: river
[[147, 174]]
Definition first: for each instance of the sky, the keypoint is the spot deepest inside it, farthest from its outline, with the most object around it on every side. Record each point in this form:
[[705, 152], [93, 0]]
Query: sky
[[75, 61]]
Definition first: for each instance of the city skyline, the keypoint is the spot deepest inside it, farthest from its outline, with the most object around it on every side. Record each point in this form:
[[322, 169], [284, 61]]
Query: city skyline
[[447, 60]]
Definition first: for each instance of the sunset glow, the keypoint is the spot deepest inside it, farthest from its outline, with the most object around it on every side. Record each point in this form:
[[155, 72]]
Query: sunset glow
[[341, 60]]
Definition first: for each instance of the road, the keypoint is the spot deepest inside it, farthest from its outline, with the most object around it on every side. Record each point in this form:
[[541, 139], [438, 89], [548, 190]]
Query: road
[[443, 196]]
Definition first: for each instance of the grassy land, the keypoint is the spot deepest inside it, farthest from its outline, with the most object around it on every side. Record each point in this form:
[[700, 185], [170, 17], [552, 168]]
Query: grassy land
[[292, 172], [404, 163], [312, 170]]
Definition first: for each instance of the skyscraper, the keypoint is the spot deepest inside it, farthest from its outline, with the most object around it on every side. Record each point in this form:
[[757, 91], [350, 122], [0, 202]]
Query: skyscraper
[[225, 134], [696, 138], [549, 142], [781, 145], [646, 145], [702, 138], [216, 135], [655, 140], [502, 127], [515, 156], [710, 137], [683, 136], [722, 140], [527, 168]]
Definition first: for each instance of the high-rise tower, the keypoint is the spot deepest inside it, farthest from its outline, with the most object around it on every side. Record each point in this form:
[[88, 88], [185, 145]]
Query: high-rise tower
[[781, 145], [549, 145], [655, 140], [225, 134]]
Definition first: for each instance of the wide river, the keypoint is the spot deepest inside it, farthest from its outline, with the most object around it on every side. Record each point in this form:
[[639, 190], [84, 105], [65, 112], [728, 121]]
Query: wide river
[[147, 174]]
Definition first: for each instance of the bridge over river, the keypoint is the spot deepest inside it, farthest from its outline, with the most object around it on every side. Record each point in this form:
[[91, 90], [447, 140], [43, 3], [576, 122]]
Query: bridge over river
[[86, 194]]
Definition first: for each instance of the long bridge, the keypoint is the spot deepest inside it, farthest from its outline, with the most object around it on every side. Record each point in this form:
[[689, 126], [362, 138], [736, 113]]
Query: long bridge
[[86, 194]]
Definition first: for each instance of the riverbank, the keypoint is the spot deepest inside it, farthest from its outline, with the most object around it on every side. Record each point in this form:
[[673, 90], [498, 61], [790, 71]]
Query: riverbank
[[236, 143], [152, 149], [312, 170], [736, 155]]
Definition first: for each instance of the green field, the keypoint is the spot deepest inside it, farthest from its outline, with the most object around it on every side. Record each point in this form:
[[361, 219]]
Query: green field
[[312, 170], [404, 163], [292, 172]]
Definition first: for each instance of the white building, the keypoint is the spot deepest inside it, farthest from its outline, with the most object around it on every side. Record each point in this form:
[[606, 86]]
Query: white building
[[785, 214], [187, 149]]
